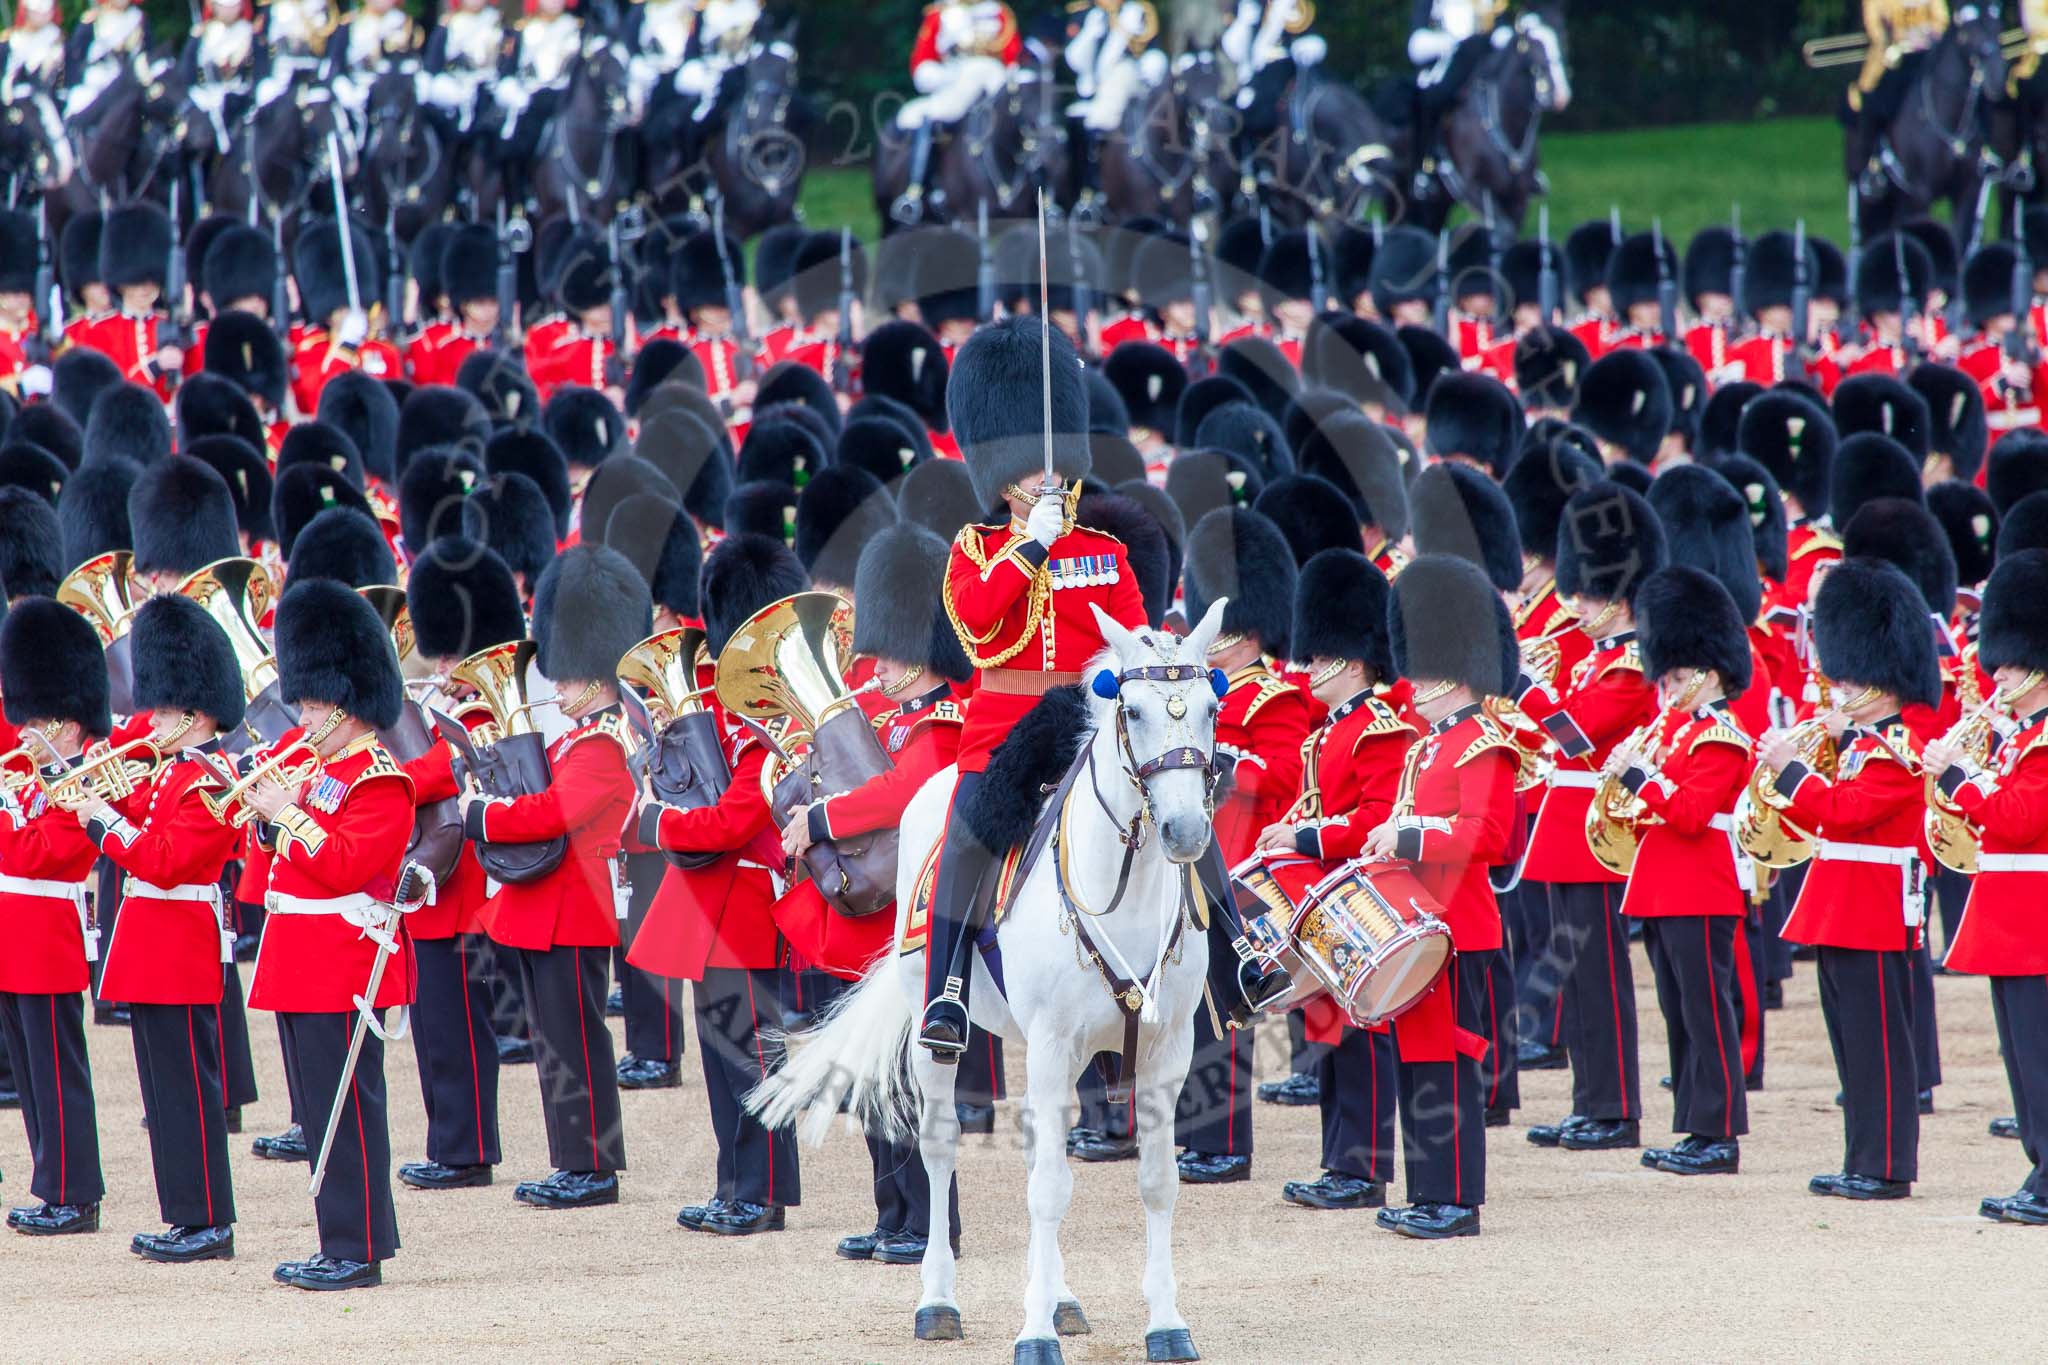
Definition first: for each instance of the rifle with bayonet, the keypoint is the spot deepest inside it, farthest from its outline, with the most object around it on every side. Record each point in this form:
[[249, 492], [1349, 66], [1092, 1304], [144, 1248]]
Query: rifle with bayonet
[[394, 276], [842, 360], [735, 296], [984, 266], [1667, 287], [1802, 305], [616, 364], [1318, 288], [1204, 296], [1909, 303], [508, 285], [1850, 317], [2020, 343], [1501, 311], [1442, 315], [49, 297], [1738, 272], [175, 330], [1547, 286], [280, 291], [1957, 313]]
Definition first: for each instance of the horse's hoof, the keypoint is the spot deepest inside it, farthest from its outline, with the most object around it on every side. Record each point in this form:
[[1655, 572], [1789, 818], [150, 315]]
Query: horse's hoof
[[1038, 1351], [938, 1323], [1069, 1321], [1171, 1343]]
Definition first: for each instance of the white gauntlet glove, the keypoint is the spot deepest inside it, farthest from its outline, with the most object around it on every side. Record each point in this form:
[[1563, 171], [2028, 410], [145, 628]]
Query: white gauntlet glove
[[1048, 518]]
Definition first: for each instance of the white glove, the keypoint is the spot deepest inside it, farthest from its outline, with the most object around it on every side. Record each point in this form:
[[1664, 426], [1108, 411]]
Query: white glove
[[354, 327], [1048, 518], [510, 94], [1502, 37], [35, 381]]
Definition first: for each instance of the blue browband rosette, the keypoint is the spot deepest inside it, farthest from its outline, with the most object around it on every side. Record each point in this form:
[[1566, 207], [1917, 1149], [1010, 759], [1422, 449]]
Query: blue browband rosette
[[1105, 684], [1219, 681]]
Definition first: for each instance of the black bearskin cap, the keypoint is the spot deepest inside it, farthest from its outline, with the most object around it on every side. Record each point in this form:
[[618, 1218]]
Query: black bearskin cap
[[439, 415], [183, 661], [881, 405], [209, 405], [532, 452], [592, 606], [461, 598], [1200, 399], [1987, 282], [1706, 527], [1360, 359], [1403, 269], [1250, 433], [1475, 416], [1340, 612], [1625, 400], [743, 574], [790, 382], [1955, 416], [836, 514], [501, 384], [1237, 554], [438, 481], [1768, 527], [1114, 458], [1357, 455], [248, 477], [662, 364], [1868, 467], [903, 361], [1265, 371], [93, 513], [877, 446], [586, 425], [1906, 534], [1685, 619], [781, 451], [762, 508], [1770, 271], [79, 376], [899, 581], [469, 264], [1879, 286], [1880, 403], [2013, 628], [1632, 271], [996, 405], [1709, 263], [135, 245], [241, 347], [1549, 363], [24, 464], [239, 264], [53, 667], [1608, 541], [1688, 385], [1200, 481], [2019, 466], [1971, 524], [78, 254], [2024, 525], [362, 408], [1722, 419], [513, 517], [332, 647], [696, 458], [343, 544], [1870, 630], [1150, 382], [1587, 250], [317, 443], [1794, 438], [1446, 623], [302, 492], [947, 268], [1311, 513], [1456, 510], [323, 276], [183, 518], [129, 420], [662, 542], [1542, 481], [939, 496]]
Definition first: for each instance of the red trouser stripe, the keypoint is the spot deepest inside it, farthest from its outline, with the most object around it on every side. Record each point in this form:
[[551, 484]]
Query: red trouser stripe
[[589, 1081], [355, 1101], [1614, 994], [1884, 1034], [761, 1062], [476, 1085], [1457, 1118], [199, 1108], [57, 1070], [1720, 1040]]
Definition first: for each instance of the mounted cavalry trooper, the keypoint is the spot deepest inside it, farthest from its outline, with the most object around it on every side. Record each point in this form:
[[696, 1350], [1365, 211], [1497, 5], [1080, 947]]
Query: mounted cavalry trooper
[[1027, 599], [725, 31], [35, 52], [296, 33], [373, 40], [965, 50], [1268, 32], [463, 55], [1112, 59], [1900, 33], [660, 34], [549, 39], [220, 65], [108, 37], [1451, 38]]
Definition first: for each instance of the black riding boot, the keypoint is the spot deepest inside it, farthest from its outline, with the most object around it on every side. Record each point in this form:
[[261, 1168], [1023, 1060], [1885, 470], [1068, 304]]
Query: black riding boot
[[1089, 173], [1242, 982], [949, 951], [909, 206]]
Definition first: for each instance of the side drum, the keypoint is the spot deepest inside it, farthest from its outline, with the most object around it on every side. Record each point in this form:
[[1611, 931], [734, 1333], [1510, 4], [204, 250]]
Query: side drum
[[1269, 888], [1374, 936]]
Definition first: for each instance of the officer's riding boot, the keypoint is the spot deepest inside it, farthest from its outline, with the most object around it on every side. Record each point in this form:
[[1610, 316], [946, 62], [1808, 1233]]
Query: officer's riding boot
[[1089, 190], [1242, 980], [1862, 154], [1423, 130], [909, 206], [949, 950]]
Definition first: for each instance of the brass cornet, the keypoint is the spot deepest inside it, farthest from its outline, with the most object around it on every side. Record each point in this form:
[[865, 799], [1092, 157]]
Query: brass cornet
[[1615, 819], [21, 769], [295, 764]]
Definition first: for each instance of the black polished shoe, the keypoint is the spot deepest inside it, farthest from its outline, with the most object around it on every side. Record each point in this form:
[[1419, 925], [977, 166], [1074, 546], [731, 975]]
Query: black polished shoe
[[1263, 987], [1498, 1116], [861, 1246], [1710, 1157], [903, 1248], [326, 1272], [1431, 1222], [1096, 1146], [1663, 1082], [1213, 1168], [1845, 1185], [741, 1219], [432, 1175], [1653, 1157], [183, 1244], [615, 1003], [2005, 1127], [1601, 1135], [1334, 1190], [514, 1051], [570, 1190], [644, 1073], [1552, 1134], [692, 1216], [1753, 1084], [1993, 1207], [1299, 1087], [2030, 1209], [944, 1030], [55, 1220], [285, 1270], [290, 1145], [10, 1098], [234, 1118], [1926, 1101], [975, 1118], [1538, 1057]]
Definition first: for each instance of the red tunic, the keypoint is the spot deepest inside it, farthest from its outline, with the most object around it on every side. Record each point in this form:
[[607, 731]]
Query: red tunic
[[589, 800], [821, 354], [437, 353], [721, 915], [1020, 609], [1761, 359], [130, 342], [779, 342], [339, 851], [169, 952], [1686, 860], [1262, 724], [1598, 334], [1131, 327], [2002, 933], [927, 47], [1707, 343], [457, 907], [575, 358], [2005, 407], [46, 862], [1474, 337], [316, 359], [1605, 699], [1351, 775], [1872, 808], [1807, 547]]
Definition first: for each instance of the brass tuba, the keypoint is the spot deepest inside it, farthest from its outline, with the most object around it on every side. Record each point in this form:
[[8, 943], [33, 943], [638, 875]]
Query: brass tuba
[[436, 841], [389, 601], [1950, 836], [687, 767], [1615, 819], [498, 676], [789, 660], [104, 592], [510, 756], [664, 666], [1761, 828]]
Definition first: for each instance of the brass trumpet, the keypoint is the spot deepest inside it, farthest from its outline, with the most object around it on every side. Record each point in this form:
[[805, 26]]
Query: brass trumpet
[[1761, 828], [788, 662], [103, 590], [1950, 836], [20, 769], [294, 765]]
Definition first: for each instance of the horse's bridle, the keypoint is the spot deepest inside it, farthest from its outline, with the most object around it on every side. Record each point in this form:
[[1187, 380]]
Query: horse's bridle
[[1133, 833]]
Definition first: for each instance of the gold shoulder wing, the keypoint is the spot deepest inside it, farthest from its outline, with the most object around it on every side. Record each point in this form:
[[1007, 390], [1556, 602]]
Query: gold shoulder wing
[[1720, 732], [1269, 688], [1492, 735], [1629, 660], [1821, 541], [1385, 721]]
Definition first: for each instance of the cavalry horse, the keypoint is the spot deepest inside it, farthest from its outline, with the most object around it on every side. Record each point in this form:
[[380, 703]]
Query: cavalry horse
[[1935, 147], [1006, 146], [587, 162], [36, 158], [124, 143], [409, 168], [1090, 962], [1171, 155], [757, 161], [278, 154], [1489, 151], [1311, 148]]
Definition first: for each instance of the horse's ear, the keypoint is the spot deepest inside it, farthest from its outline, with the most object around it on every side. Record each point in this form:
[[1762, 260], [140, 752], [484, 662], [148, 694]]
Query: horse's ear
[[1113, 633], [1205, 631]]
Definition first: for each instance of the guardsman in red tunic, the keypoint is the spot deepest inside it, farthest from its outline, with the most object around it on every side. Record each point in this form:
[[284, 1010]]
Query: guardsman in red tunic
[[78, 270], [1587, 250], [236, 274], [1883, 294], [1609, 540], [53, 675], [583, 354], [1690, 885], [698, 278], [592, 606], [461, 599], [1794, 439], [337, 335], [715, 925], [1239, 555], [334, 917], [1452, 821], [1150, 379], [2009, 370], [1768, 355], [171, 936], [2006, 801], [819, 292], [135, 248], [1634, 272], [1351, 775], [1709, 287], [902, 626], [1864, 901], [1290, 279], [904, 361], [469, 276]]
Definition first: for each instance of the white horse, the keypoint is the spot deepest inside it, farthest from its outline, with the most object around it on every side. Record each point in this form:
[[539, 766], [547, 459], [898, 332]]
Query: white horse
[[1147, 769]]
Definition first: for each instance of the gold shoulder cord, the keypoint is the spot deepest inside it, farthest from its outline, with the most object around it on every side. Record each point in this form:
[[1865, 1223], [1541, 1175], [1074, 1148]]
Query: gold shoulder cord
[[969, 544]]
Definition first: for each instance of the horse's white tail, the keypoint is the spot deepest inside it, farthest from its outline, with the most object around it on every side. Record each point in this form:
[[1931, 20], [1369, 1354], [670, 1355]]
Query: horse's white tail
[[858, 1059]]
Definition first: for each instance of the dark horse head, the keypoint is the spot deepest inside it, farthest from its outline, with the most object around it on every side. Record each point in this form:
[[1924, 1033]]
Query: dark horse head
[[1490, 161], [35, 152], [1171, 157], [758, 162], [586, 165]]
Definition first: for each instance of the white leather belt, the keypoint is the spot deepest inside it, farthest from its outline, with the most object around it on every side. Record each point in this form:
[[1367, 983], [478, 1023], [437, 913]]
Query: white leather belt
[[1571, 777], [1745, 869], [75, 892], [358, 908], [207, 893], [2012, 862], [1828, 850]]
